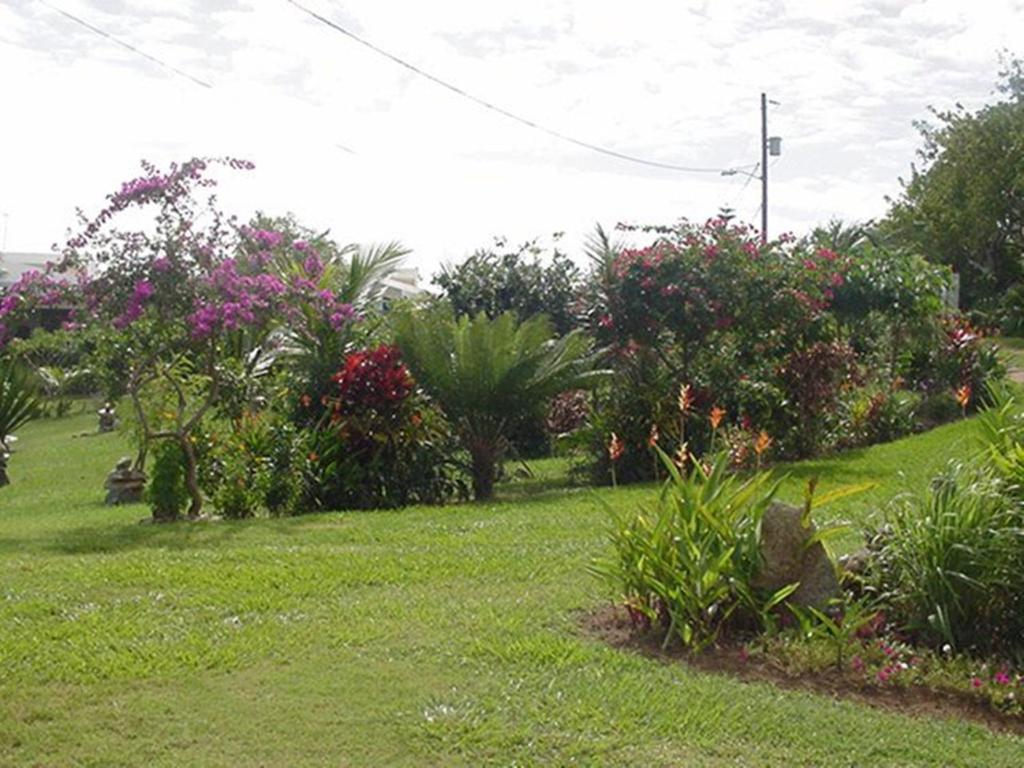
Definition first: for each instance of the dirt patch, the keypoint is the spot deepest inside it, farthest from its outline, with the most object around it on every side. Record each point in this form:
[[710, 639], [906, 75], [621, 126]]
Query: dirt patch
[[611, 624]]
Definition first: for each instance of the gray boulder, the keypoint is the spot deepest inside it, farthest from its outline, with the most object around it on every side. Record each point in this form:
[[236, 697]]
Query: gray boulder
[[787, 558]]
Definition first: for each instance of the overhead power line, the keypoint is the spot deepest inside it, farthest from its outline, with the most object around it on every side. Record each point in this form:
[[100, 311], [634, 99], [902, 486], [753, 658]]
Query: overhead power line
[[139, 52], [128, 46], [495, 108]]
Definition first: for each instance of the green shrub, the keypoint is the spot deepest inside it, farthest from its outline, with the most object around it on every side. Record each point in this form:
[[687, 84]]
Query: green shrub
[[875, 414], [167, 494], [256, 467], [241, 491], [687, 566], [381, 443], [951, 562]]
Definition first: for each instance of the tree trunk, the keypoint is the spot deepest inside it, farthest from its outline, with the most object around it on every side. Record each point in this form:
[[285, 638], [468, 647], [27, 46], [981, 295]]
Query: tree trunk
[[192, 478], [484, 456]]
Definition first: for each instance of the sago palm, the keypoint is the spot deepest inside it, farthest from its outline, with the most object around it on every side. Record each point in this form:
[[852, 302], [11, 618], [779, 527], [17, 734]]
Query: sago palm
[[18, 404], [484, 373]]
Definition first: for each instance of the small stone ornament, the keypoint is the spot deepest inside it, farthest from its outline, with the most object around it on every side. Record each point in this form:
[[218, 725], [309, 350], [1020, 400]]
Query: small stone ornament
[[125, 484], [108, 418]]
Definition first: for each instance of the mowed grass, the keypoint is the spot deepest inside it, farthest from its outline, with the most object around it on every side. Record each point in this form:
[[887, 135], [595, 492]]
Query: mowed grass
[[430, 636]]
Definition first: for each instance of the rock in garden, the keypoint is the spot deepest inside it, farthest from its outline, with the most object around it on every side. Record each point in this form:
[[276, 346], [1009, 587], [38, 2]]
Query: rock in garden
[[125, 485], [788, 558]]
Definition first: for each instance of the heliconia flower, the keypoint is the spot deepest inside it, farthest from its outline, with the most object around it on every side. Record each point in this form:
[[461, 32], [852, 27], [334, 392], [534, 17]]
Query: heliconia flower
[[615, 447], [682, 456], [963, 395], [717, 414], [763, 443], [685, 398], [653, 436]]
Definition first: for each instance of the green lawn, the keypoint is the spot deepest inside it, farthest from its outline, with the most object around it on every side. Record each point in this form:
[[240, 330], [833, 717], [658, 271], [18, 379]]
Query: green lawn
[[423, 637]]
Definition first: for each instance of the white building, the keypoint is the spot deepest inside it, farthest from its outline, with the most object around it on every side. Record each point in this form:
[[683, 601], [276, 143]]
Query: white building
[[13, 265], [401, 284]]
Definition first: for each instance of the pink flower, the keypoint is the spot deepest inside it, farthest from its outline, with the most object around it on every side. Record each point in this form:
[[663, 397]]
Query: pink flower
[[857, 663], [1002, 678], [976, 682]]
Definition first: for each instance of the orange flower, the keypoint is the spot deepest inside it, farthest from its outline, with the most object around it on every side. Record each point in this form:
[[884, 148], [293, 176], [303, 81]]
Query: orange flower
[[652, 437], [615, 447], [416, 419], [763, 443], [305, 400], [685, 398], [963, 396], [717, 414], [313, 456]]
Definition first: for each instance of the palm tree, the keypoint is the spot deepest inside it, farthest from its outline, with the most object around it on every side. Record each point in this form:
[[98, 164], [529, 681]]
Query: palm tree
[[354, 273], [18, 404], [485, 373], [845, 237]]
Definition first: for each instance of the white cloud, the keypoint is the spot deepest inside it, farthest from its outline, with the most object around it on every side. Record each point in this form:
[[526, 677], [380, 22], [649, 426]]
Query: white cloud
[[677, 82]]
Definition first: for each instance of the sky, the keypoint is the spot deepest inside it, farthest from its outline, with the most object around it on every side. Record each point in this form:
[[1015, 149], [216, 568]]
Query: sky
[[349, 141]]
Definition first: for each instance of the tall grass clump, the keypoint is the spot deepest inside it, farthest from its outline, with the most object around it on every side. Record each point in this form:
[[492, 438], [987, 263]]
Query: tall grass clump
[[954, 562], [951, 561], [687, 565]]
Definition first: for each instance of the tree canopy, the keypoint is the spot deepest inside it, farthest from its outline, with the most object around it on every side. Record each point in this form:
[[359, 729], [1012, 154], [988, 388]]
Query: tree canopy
[[964, 206]]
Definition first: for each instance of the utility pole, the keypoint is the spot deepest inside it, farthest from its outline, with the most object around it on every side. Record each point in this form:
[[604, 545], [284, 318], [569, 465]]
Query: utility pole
[[770, 145], [764, 168]]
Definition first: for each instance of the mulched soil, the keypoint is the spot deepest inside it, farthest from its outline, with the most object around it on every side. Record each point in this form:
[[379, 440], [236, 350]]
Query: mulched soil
[[611, 624]]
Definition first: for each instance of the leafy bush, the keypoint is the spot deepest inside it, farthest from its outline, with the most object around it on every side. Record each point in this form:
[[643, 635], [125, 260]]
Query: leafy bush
[[381, 443], [875, 414], [687, 566], [778, 336], [257, 466], [167, 494], [951, 562], [514, 280], [813, 378]]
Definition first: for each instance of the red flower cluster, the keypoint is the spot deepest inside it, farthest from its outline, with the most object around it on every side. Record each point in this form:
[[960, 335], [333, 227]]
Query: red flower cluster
[[374, 378]]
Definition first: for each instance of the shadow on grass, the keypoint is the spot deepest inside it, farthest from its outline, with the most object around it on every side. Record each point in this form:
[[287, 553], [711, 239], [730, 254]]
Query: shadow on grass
[[112, 537]]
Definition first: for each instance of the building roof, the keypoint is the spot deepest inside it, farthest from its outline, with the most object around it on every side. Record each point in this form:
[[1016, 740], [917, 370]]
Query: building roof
[[15, 264]]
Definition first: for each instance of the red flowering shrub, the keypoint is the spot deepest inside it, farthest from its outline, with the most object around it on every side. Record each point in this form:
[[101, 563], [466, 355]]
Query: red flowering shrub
[[814, 378], [373, 378], [380, 443], [776, 335]]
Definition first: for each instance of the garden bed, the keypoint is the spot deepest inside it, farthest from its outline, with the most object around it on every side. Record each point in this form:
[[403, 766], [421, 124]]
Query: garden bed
[[612, 625]]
